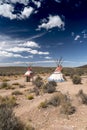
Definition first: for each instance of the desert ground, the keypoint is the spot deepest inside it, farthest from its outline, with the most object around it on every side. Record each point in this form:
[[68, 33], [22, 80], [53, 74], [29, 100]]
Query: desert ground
[[48, 118]]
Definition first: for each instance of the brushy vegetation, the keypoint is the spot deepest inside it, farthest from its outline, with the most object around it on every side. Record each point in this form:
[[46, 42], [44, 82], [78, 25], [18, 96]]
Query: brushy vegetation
[[67, 108], [62, 100], [43, 104], [8, 121], [76, 79], [49, 87], [9, 71], [8, 100], [82, 96], [38, 82], [5, 85], [30, 97], [17, 93], [16, 83], [29, 127]]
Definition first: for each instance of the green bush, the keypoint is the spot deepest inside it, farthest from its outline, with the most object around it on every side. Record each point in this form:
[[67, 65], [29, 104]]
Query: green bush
[[8, 121], [49, 87], [76, 79]]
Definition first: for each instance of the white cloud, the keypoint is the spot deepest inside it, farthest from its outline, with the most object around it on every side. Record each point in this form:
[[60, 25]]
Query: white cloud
[[26, 12], [37, 3], [38, 52], [30, 44], [18, 49], [7, 54], [77, 37], [53, 21], [6, 11], [47, 57], [24, 49], [25, 2]]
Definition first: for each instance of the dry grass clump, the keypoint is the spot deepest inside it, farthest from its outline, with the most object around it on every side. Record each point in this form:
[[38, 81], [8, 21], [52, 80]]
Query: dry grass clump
[[17, 93], [5, 85], [11, 101], [16, 83], [83, 97], [6, 79], [49, 87], [76, 79], [43, 104], [29, 127], [30, 97]]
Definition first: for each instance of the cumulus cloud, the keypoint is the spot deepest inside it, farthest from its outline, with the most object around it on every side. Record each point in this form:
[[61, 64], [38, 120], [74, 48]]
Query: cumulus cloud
[[6, 11], [30, 44], [77, 37], [53, 21], [37, 3], [25, 2], [26, 12]]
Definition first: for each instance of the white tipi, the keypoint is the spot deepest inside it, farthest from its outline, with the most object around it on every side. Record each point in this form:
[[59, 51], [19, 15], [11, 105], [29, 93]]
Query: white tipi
[[57, 75]]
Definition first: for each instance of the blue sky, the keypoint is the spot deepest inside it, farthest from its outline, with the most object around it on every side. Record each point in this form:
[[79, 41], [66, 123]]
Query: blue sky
[[41, 31]]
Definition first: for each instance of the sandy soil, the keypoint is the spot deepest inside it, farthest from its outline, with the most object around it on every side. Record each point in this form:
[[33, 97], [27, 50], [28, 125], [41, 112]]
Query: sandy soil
[[49, 118]]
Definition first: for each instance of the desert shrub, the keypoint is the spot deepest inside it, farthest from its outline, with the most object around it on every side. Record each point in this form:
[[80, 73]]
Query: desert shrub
[[16, 83], [21, 86], [57, 99], [49, 87], [29, 127], [67, 108], [76, 79], [8, 121], [38, 82], [5, 80], [11, 101], [30, 97], [5, 85], [82, 96], [43, 104], [36, 90], [17, 93]]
